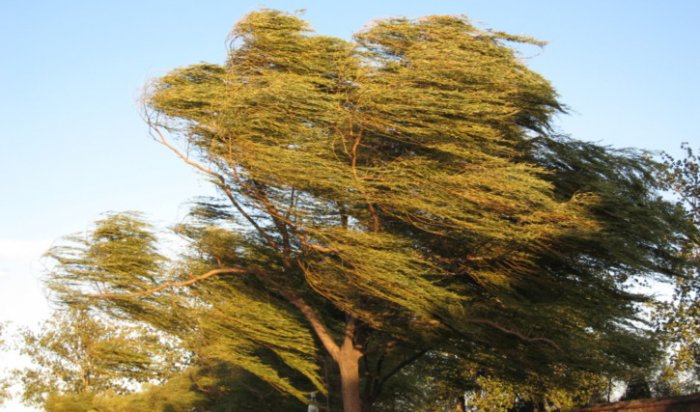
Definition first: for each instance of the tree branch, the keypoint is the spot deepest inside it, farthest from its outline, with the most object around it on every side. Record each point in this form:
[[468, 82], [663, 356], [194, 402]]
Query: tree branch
[[350, 329], [229, 193], [353, 167], [187, 282], [315, 321], [157, 135], [154, 131], [400, 366], [513, 332], [309, 313]]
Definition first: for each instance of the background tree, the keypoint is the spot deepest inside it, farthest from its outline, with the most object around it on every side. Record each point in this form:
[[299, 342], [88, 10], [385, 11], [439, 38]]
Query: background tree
[[78, 354], [382, 200], [435, 383], [679, 318]]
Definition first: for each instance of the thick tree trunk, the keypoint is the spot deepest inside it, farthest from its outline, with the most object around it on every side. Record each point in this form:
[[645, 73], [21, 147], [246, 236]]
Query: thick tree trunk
[[349, 365], [347, 355]]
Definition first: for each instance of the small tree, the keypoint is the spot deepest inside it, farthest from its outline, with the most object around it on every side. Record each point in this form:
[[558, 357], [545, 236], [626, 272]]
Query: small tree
[[77, 354]]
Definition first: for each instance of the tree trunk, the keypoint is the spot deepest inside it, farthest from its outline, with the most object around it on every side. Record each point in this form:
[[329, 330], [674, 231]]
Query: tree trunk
[[349, 365], [460, 404]]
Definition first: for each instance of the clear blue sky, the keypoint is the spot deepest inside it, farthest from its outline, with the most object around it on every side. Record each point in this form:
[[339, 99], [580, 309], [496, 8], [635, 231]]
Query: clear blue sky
[[74, 146]]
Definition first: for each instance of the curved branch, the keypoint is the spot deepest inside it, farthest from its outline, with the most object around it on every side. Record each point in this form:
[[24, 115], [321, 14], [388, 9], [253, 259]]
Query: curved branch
[[158, 136], [315, 321], [154, 131], [306, 310], [497, 326], [398, 367], [513, 332], [353, 168], [187, 282]]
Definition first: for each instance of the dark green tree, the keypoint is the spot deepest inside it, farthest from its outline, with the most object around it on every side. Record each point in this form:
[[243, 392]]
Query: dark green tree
[[381, 200]]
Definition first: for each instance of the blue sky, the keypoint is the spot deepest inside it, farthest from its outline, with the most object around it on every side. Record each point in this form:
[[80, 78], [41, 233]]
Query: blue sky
[[74, 146]]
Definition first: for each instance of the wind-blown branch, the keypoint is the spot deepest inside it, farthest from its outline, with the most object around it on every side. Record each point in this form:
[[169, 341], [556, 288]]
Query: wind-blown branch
[[513, 332], [402, 365], [499, 327], [158, 136], [191, 280], [306, 310]]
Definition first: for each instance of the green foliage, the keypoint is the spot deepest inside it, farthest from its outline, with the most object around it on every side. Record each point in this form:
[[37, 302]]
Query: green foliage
[[78, 354], [683, 177], [122, 246], [437, 382], [72, 402], [216, 389], [264, 337], [679, 319], [670, 382]]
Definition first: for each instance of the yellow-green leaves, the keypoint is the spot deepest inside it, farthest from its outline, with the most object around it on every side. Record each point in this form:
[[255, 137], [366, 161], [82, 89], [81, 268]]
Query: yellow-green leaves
[[406, 179], [371, 275], [243, 329], [76, 352]]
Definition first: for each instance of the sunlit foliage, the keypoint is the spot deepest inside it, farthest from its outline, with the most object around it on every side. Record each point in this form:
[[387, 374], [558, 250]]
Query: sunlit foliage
[[396, 196]]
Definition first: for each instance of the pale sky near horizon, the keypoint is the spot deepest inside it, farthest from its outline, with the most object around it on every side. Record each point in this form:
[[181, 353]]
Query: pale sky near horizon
[[74, 146]]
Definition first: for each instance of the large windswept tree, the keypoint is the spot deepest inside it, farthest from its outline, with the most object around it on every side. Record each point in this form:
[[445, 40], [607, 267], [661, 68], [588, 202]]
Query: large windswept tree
[[384, 199]]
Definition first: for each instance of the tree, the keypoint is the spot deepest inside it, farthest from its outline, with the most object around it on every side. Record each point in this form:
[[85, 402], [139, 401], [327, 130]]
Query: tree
[[383, 199], [444, 383], [77, 354], [679, 319]]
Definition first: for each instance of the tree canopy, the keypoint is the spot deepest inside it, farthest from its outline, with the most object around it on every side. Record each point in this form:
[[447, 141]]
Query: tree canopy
[[396, 196]]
